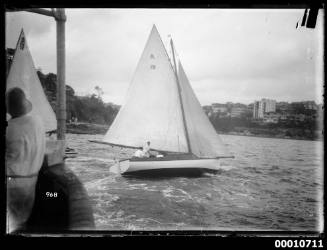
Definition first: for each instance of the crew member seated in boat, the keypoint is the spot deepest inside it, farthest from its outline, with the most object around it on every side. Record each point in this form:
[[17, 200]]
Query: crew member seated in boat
[[25, 149], [145, 152], [146, 149]]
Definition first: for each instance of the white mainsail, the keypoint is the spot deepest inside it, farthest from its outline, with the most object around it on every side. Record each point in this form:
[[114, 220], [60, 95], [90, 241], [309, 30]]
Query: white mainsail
[[161, 107], [151, 112], [22, 74]]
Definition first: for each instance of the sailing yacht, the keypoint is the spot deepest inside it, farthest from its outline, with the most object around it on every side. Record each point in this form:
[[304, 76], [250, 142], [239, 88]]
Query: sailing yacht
[[162, 108]]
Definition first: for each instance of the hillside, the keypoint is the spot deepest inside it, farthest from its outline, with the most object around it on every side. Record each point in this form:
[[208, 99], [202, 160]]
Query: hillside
[[87, 109]]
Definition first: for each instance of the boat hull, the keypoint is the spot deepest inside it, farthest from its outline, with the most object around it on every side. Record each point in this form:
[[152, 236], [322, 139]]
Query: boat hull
[[165, 167]]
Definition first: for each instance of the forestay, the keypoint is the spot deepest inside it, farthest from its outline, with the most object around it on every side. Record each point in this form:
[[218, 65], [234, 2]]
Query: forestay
[[152, 108], [22, 74]]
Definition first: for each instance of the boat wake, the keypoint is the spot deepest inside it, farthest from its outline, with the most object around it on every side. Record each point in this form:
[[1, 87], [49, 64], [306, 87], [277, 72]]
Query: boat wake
[[100, 184], [176, 193], [226, 167]]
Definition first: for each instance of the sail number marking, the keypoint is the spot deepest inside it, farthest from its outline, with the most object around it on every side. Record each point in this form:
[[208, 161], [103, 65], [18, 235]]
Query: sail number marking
[[152, 66]]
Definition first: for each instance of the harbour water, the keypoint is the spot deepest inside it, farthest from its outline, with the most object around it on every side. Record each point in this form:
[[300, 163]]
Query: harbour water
[[272, 184]]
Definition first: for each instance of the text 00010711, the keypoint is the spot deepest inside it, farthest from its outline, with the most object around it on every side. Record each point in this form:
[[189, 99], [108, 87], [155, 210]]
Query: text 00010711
[[298, 243]]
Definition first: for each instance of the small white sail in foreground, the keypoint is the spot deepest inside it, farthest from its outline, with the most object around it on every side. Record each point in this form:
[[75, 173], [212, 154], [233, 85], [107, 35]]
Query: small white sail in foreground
[[161, 107], [22, 74]]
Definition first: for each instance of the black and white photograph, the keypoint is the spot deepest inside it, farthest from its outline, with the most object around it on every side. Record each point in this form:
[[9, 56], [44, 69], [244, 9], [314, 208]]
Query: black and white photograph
[[164, 119]]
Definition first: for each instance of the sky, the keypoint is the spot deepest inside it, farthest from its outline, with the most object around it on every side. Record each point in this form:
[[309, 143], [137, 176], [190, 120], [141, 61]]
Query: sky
[[236, 55]]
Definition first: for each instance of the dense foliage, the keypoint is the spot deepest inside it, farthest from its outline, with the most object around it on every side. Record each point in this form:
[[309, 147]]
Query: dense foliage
[[90, 108]]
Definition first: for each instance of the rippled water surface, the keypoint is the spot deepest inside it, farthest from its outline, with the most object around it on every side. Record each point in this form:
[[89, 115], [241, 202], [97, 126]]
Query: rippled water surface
[[272, 184]]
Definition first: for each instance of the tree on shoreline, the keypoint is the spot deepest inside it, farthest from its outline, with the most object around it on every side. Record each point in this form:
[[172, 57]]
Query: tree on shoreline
[[89, 108]]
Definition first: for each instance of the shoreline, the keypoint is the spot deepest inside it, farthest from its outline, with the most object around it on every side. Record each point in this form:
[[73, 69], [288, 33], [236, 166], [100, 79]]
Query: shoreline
[[92, 129], [86, 128], [271, 137]]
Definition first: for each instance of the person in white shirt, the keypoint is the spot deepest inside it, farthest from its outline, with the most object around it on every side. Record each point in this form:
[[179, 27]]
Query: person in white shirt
[[145, 152], [25, 149], [146, 149]]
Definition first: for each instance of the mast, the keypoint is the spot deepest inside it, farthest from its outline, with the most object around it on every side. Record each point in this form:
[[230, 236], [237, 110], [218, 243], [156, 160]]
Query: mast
[[61, 74], [180, 99]]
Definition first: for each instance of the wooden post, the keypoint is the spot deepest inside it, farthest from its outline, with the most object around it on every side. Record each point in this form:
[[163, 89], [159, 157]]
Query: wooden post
[[61, 66]]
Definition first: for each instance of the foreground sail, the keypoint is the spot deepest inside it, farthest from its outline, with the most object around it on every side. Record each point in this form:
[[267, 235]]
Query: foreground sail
[[22, 74], [162, 108]]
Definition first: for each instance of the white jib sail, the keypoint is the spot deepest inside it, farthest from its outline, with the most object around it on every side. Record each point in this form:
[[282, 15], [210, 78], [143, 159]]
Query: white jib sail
[[152, 111], [22, 74], [204, 140]]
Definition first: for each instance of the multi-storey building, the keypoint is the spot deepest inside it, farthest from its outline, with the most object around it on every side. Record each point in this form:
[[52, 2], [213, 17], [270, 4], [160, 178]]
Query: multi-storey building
[[262, 107], [237, 111], [283, 107], [269, 105], [310, 105], [258, 110], [208, 110], [271, 118], [219, 108]]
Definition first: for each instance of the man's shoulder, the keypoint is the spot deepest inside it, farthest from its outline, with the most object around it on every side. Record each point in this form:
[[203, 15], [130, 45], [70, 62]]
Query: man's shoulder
[[36, 121], [34, 117]]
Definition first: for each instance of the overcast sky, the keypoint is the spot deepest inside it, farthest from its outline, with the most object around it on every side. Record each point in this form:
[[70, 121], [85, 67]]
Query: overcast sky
[[228, 55]]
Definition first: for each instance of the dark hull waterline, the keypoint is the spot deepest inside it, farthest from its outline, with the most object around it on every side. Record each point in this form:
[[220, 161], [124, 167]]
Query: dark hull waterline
[[172, 172]]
